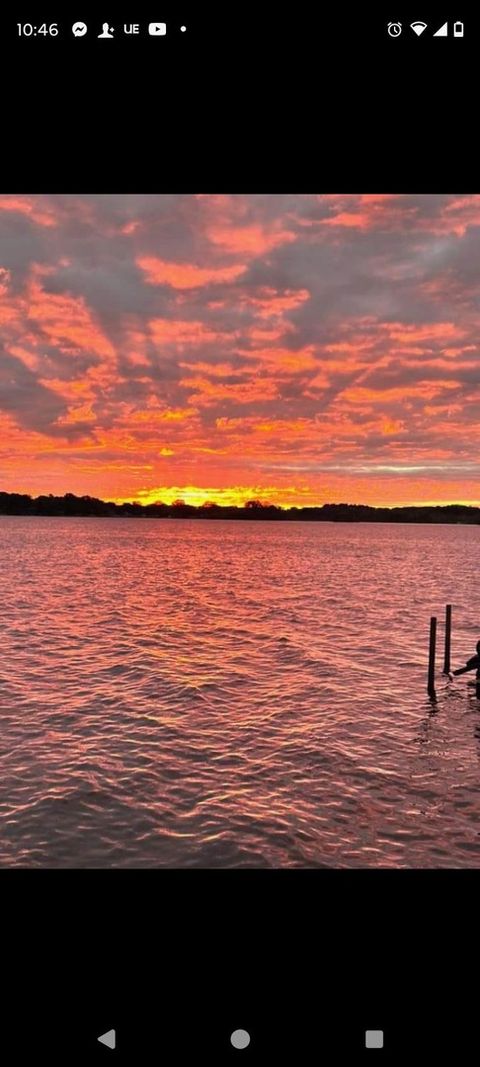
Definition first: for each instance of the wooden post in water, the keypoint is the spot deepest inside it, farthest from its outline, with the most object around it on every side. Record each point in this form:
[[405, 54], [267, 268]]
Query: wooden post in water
[[431, 657], [448, 635]]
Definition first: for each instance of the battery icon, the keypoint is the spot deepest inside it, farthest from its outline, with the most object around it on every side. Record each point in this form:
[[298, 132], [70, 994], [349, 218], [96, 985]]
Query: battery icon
[[458, 29]]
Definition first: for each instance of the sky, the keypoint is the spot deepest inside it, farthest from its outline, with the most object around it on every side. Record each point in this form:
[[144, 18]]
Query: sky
[[294, 348]]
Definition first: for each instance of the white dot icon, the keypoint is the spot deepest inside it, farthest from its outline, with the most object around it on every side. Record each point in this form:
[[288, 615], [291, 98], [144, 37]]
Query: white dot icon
[[183, 28], [240, 1038]]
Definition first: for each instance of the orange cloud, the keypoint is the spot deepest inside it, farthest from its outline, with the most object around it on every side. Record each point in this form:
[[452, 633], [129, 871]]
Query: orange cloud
[[178, 332], [27, 206], [249, 240], [433, 331], [65, 320], [185, 275], [270, 302], [206, 392]]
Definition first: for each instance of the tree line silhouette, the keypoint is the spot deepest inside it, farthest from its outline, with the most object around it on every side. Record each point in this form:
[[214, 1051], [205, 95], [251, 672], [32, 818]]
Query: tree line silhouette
[[71, 505]]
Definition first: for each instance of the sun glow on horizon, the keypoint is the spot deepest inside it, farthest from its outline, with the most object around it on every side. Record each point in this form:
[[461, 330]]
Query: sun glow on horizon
[[238, 496]]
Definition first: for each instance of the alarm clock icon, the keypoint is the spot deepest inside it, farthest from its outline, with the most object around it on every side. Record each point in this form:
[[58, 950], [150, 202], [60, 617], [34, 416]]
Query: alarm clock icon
[[394, 29]]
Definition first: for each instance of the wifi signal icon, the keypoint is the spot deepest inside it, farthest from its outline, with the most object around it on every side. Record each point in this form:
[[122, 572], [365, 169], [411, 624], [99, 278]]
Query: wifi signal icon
[[418, 27]]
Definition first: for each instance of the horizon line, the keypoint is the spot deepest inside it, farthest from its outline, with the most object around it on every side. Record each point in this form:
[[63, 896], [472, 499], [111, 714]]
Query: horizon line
[[119, 501]]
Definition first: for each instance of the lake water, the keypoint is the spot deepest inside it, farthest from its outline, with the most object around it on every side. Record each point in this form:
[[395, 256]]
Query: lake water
[[235, 694]]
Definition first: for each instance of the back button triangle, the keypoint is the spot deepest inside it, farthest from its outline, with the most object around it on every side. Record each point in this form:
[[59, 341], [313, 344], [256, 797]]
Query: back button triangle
[[109, 1039]]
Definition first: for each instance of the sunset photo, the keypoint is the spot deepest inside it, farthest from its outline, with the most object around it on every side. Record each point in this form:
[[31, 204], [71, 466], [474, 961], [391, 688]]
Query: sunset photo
[[239, 475]]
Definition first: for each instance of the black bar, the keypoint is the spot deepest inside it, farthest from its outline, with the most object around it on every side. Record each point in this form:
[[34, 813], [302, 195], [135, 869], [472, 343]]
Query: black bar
[[431, 656], [448, 634]]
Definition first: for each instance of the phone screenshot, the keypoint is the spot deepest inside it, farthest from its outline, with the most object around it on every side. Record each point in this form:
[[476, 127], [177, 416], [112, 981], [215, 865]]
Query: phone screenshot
[[239, 531]]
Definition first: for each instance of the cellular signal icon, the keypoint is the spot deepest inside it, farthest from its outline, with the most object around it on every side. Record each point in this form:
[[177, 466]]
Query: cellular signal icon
[[418, 27]]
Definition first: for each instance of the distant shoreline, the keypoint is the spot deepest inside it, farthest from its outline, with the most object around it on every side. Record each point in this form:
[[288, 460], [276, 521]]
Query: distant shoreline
[[70, 505]]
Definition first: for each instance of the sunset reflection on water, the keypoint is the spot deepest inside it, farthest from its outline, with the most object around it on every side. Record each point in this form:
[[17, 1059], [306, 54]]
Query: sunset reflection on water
[[223, 694]]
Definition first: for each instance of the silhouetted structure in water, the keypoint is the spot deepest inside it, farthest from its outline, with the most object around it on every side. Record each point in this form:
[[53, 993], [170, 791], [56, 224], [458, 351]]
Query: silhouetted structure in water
[[23, 504], [472, 664]]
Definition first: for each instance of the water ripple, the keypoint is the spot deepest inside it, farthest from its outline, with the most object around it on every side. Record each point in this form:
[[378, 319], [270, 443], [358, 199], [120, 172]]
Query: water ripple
[[227, 694]]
